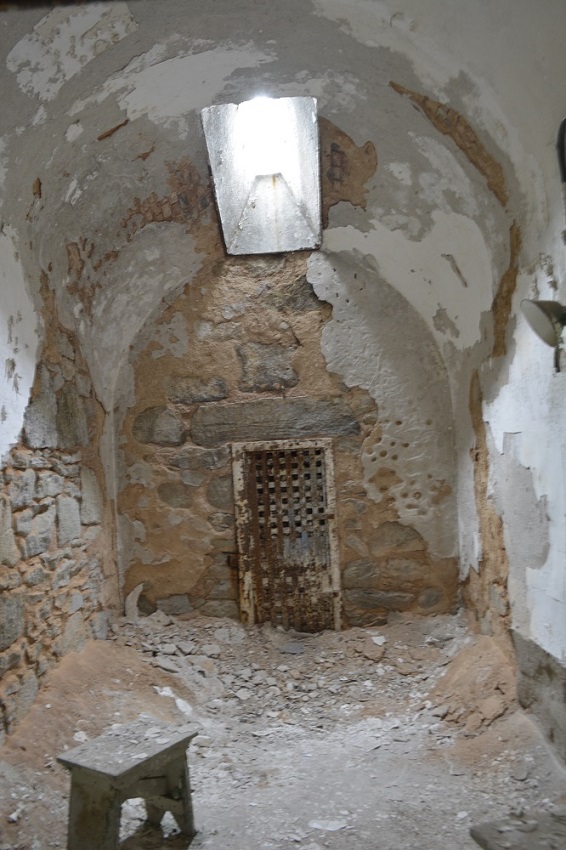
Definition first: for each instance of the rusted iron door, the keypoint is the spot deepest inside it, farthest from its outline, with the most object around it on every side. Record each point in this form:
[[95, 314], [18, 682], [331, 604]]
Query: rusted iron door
[[287, 549]]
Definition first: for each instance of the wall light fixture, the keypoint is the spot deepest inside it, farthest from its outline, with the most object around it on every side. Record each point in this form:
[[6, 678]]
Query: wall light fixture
[[547, 319], [264, 158]]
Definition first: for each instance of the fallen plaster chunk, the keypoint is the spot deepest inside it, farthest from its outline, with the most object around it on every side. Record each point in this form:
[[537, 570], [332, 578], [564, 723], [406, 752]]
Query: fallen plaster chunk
[[131, 604]]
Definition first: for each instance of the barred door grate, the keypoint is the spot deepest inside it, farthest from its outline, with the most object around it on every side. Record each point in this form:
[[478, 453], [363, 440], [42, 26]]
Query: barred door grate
[[285, 535]]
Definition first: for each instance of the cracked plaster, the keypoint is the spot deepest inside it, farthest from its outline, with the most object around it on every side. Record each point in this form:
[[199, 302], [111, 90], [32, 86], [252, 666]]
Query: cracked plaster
[[452, 215]]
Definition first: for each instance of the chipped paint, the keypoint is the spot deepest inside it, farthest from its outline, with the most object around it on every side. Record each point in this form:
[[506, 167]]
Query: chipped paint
[[376, 342], [493, 568], [144, 87], [449, 122], [419, 270], [18, 343], [502, 301], [73, 131], [63, 42]]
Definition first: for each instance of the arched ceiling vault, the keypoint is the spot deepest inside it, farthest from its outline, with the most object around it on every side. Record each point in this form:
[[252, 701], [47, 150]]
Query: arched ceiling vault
[[105, 197]]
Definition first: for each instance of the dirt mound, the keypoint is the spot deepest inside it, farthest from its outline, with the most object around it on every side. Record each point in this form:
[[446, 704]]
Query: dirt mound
[[86, 693], [479, 686]]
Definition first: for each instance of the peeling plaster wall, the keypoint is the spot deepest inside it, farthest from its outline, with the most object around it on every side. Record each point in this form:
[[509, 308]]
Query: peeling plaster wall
[[448, 118], [248, 353], [376, 341], [18, 345]]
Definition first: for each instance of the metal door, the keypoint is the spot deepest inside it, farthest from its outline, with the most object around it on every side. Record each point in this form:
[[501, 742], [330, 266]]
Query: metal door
[[286, 540]]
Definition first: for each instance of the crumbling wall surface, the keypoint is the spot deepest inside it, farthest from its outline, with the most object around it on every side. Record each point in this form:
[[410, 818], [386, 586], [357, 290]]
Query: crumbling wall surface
[[254, 369], [57, 576], [18, 342], [104, 191]]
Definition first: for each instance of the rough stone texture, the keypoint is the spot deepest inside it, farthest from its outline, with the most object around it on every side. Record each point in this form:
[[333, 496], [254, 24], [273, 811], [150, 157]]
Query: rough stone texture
[[72, 427], [494, 564], [175, 494], [40, 535], [296, 297], [91, 498], [22, 488], [159, 425], [220, 608], [201, 460], [431, 597], [272, 419], [221, 521], [177, 604], [220, 493], [9, 552], [541, 688], [11, 620], [395, 537], [266, 368], [50, 596], [73, 636], [40, 420], [181, 509], [361, 575], [68, 519], [195, 390], [380, 599], [49, 484]]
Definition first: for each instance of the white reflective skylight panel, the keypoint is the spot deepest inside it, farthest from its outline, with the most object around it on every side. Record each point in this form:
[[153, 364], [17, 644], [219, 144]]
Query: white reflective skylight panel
[[264, 157]]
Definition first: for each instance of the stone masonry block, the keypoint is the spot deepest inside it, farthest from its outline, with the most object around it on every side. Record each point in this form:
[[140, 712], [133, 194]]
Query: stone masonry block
[[39, 538], [22, 489], [272, 419], [220, 493], [11, 619], [196, 390], [266, 368], [40, 425], [9, 552], [49, 484], [159, 425], [91, 504], [73, 637], [68, 520], [72, 425]]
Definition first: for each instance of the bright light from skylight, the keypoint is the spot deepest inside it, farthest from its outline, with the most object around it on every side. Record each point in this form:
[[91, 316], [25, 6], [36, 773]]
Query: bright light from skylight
[[265, 137], [265, 165]]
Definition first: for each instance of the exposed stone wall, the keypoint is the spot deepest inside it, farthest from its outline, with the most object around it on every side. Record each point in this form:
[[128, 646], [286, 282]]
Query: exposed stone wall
[[52, 571], [57, 573], [236, 358]]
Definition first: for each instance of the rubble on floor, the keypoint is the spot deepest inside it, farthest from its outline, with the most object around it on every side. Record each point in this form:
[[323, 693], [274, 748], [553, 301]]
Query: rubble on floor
[[400, 737]]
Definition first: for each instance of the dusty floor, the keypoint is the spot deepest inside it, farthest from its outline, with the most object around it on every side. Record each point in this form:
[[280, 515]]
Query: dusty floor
[[392, 738]]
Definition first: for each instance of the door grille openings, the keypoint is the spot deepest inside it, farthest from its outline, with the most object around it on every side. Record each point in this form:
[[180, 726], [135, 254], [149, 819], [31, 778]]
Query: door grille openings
[[287, 550]]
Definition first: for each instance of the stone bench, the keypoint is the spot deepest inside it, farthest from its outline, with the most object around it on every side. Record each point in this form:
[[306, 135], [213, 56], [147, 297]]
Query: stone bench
[[537, 832], [133, 760]]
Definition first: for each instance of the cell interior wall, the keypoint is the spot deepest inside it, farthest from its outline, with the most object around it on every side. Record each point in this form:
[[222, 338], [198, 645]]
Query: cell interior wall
[[58, 580], [239, 357]]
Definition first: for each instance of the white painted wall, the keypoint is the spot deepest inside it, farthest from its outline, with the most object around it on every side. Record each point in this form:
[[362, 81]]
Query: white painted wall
[[18, 344], [531, 408], [514, 53]]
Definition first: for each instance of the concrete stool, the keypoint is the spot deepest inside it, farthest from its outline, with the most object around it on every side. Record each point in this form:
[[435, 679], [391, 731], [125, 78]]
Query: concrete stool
[[133, 760], [539, 832]]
